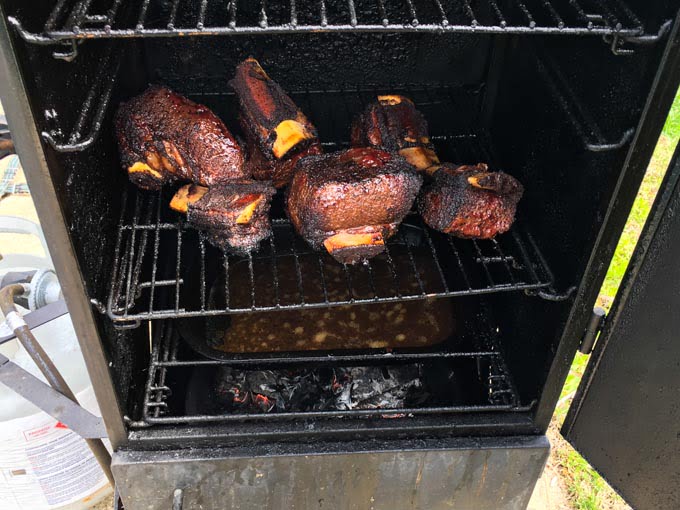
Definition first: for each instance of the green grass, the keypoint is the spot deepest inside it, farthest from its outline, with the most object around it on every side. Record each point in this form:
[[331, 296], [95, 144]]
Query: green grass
[[586, 488], [586, 485], [638, 215], [672, 126]]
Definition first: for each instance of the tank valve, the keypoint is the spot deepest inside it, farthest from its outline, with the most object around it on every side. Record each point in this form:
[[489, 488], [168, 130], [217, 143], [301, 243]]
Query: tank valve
[[44, 289]]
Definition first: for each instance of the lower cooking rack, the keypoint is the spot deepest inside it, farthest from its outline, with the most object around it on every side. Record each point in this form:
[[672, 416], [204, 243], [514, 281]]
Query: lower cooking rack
[[479, 381], [164, 269]]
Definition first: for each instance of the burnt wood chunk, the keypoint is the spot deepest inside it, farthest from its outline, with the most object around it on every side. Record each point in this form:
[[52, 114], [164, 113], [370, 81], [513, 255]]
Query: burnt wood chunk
[[234, 217], [278, 134], [393, 123], [351, 201], [164, 137], [468, 201]]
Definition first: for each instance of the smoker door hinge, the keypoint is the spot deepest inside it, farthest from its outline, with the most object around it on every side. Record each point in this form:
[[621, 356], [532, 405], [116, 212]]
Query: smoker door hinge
[[593, 329]]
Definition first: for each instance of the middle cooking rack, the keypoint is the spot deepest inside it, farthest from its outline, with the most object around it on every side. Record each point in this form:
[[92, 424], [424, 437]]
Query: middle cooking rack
[[164, 269]]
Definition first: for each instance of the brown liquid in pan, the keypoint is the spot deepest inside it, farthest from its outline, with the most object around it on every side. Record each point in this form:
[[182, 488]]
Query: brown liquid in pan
[[418, 323]]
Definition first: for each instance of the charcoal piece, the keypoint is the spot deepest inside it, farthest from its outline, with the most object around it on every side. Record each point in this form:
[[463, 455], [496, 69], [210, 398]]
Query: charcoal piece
[[379, 387], [319, 389]]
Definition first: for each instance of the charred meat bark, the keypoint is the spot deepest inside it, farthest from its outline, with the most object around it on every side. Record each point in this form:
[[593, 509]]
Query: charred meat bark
[[277, 132], [234, 217], [351, 201], [279, 172], [469, 201], [394, 124], [164, 137]]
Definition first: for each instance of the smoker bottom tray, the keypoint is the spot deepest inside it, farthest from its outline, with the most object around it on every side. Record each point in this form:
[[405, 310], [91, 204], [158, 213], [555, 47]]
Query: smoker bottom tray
[[466, 375]]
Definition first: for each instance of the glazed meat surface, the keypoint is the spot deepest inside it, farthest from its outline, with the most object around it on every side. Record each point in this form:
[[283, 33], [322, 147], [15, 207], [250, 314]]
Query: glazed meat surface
[[351, 201], [469, 201], [164, 137], [234, 217], [277, 132], [394, 124]]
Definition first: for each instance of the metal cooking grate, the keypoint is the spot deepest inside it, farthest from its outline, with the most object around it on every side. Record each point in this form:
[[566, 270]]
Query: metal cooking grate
[[72, 20], [486, 376], [163, 268]]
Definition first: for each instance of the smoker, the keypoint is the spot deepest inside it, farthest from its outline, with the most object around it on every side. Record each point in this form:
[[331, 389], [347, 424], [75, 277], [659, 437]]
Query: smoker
[[567, 96]]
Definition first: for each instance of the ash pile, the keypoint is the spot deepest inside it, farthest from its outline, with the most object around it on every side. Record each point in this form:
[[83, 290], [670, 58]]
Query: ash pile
[[320, 389]]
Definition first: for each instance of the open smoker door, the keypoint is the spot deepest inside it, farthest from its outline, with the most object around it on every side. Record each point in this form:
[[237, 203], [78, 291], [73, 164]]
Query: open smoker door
[[625, 418]]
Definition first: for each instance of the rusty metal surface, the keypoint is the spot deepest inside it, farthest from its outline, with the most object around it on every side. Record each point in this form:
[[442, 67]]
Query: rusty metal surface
[[498, 474]]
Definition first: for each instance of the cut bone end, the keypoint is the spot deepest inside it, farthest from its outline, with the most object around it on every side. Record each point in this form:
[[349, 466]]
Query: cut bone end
[[141, 167], [289, 133], [255, 66], [348, 240], [420, 157], [187, 195], [498, 182], [392, 99], [492, 181], [247, 212]]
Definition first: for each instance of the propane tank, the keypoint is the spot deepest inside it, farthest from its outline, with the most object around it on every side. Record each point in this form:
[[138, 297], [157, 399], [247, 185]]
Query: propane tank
[[43, 464]]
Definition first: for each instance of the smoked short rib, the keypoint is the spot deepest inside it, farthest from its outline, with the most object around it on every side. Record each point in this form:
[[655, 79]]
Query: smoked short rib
[[351, 201], [468, 201], [234, 217], [277, 132], [393, 123], [164, 137]]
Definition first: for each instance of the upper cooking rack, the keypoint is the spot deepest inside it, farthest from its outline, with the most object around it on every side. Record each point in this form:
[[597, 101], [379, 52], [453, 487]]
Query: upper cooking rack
[[163, 269], [72, 20]]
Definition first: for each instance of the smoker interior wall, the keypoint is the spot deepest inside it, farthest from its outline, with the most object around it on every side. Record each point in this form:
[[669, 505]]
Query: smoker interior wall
[[320, 61], [88, 182], [567, 188]]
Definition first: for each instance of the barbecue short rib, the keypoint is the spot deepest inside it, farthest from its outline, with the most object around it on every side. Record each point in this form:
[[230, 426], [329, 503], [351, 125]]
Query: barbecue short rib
[[393, 123], [351, 201], [277, 132], [469, 201], [234, 217], [164, 137]]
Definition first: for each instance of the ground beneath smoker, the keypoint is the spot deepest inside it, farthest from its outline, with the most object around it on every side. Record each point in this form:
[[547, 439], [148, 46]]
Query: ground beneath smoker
[[550, 492]]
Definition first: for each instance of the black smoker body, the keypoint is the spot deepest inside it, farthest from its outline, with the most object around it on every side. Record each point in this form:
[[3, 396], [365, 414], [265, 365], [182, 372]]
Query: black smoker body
[[569, 97]]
